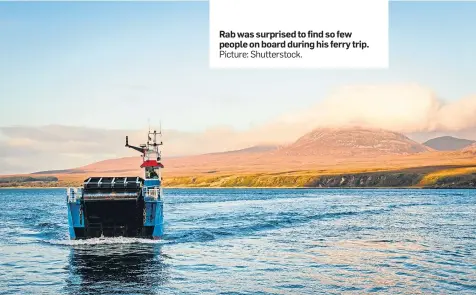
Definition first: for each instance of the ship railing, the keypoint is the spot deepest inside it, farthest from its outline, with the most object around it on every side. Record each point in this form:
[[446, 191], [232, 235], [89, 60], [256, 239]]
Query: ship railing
[[154, 193], [74, 194]]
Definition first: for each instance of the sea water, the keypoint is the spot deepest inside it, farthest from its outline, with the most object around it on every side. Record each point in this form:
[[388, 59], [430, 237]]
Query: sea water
[[251, 241]]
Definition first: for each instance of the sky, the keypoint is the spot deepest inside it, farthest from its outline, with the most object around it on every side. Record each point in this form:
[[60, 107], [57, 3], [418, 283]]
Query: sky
[[89, 58], [115, 65]]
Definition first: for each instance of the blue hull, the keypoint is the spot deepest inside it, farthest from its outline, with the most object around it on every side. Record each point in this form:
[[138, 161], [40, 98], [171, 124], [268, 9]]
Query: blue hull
[[115, 212], [152, 227]]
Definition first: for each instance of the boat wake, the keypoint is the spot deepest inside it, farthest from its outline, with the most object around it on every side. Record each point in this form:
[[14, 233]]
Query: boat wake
[[104, 241]]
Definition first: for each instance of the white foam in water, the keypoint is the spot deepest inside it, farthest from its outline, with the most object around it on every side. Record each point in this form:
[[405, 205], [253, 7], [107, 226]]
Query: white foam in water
[[103, 241]]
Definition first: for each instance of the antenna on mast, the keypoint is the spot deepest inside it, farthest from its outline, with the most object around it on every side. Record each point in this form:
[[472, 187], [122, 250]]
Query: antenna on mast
[[149, 139]]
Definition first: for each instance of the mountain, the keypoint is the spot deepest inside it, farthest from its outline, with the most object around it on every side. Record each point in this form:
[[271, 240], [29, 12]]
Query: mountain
[[448, 143], [351, 142], [321, 147]]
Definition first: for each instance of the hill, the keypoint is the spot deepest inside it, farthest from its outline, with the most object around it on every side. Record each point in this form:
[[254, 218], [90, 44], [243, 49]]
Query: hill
[[448, 143], [321, 147], [351, 142]]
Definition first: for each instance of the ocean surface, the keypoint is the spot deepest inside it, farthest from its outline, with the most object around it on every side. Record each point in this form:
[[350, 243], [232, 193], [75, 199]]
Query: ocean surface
[[251, 241]]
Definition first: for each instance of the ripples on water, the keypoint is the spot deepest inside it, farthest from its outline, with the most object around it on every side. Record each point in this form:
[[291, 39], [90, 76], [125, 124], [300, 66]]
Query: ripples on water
[[251, 241]]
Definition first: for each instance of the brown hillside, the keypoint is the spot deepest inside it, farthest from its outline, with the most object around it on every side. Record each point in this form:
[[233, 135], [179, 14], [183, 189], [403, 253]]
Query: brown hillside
[[351, 142], [322, 148], [321, 151]]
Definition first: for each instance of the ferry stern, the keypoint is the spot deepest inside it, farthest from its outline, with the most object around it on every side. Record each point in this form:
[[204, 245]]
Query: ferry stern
[[120, 206]]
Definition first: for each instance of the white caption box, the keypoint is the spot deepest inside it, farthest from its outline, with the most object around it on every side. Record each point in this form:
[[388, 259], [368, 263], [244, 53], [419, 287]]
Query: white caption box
[[367, 20]]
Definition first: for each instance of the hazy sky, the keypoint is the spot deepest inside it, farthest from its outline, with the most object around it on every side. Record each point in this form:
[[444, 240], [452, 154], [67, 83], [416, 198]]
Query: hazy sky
[[113, 65], [71, 70]]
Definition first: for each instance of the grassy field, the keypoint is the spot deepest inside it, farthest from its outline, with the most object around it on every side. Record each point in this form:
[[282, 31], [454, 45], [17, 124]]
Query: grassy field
[[463, 176], [432, 176]]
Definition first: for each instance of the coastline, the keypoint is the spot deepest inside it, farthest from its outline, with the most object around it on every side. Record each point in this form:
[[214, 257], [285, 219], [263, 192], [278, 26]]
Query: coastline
[[429, 177], [275, 187]]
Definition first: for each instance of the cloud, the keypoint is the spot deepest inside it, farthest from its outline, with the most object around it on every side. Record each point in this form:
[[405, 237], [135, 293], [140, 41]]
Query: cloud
[[410, 109], [402, 108]]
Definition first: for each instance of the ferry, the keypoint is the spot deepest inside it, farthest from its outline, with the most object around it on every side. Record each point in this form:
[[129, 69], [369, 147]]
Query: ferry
[[121, 206]]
